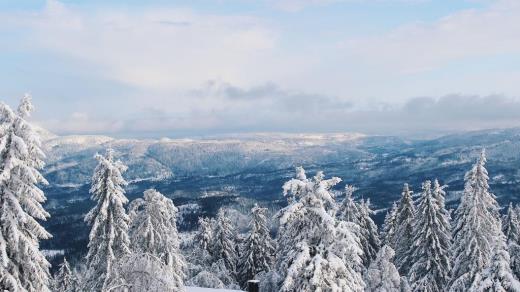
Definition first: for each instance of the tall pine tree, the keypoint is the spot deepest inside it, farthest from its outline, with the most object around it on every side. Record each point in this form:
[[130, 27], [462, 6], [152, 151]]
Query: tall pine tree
[[511, 228], [109, 234], [224, 247], [349, 210], [497, 277], [154, 232], [65, 280], [382, 275], [368, 235], [315, 251], [404, 231], [204, 236], [22, 265], [258, 250], [431, 244], [389, 226], [477, 226]]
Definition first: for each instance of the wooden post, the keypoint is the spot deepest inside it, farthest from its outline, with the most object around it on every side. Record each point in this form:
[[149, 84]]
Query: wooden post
[[253, 286]]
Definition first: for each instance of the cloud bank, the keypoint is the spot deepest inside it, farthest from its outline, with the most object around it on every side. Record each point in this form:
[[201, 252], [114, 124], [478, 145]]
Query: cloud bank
[[225, 108], [180, 70]]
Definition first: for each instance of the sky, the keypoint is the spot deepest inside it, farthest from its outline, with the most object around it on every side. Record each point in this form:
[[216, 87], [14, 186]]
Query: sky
[[204, 67]]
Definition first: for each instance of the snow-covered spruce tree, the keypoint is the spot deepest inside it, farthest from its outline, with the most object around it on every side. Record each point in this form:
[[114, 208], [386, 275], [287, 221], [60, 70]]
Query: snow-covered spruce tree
[[404, 231], [511, 225], [153, 231], [258, 250], [498, 277], [359, 214], [224, 245], [109, 234], [440, 195], [348, 211], [431, 244], [204, 236], [315, 251], [368, 236], [476, 227], [389, 227], [382, 275], [22, 265], [65, 280], [140, 271], [511, 228], [405, 285]]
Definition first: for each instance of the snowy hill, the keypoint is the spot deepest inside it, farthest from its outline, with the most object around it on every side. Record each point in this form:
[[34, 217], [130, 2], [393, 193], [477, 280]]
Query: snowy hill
[[203, 174]]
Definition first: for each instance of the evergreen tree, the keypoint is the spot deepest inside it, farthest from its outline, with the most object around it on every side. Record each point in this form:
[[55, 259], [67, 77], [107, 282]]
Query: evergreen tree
[[498, 277], [477, 226], [359, 214], [382, 275], [258, 250], [389, 226], [369, 236], [204, 235], [510, 226], [349, 209], [140, 271], [65, 280], [22, 265], [404, 231], [316, 252], [109, 234], [405, 285], [431, 244], [154, 232], [224, 242]]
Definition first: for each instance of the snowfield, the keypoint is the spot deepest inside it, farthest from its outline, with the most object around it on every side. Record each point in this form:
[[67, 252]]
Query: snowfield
[[197, 289]]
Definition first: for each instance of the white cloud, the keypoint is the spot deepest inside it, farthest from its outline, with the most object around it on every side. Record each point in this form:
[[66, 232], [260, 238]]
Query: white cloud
[[298, 5], [261, 80], [153, 48], [419, 47], [221, 107], [82, 123]]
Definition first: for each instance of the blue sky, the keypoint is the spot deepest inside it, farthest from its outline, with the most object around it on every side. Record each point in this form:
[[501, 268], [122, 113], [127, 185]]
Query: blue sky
[[177, 68]]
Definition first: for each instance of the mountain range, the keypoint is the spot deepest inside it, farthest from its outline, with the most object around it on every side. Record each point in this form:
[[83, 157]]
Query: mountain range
[[202, 174]]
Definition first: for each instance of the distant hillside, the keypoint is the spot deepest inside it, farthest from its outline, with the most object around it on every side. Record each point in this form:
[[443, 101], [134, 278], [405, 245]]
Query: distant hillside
[[202, 175]]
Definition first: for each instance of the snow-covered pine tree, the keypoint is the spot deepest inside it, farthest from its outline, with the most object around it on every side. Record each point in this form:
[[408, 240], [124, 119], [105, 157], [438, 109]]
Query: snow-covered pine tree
[[382, 275], [404, 231], [65, 280], [153, 231], [389, 227], [109, 234], [431, 244], [315, 252], [204, 236], [258, 251], [349, 210], [498, 277], [405, 285], [22, 265], [511, 228], [224, 242], [368, 236], [359, 214], [511, 225], [476, 228], [439, 194]]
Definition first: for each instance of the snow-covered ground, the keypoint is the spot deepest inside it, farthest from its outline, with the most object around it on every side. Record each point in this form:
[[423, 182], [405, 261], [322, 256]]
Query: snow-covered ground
[[197, 289]]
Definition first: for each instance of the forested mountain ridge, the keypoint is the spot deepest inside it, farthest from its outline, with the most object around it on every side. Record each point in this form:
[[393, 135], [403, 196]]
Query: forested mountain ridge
[[201, 175]]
